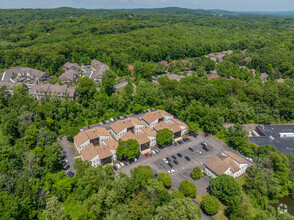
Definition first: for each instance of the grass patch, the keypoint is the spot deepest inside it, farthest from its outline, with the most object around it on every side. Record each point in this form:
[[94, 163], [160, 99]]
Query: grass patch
[[241, 181], [218, 216]]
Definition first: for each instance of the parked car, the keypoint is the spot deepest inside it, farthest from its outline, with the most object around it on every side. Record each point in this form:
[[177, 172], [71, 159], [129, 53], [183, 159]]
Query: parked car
[[170, 165], [249, 159], [205, 148], [155, 175], [187, 158], [187, 139], [107, 122], [63, 157], [70, 174], [191, 149], [174, 157], [165, 160], [179, 155], [66, 167], [146, 155], [120, 117], [122, 164], [175, 143], [168, 159], [171, 171], [153, 152], [64, 162], [198, 151], [118, 166], [112, 120], [175, 162], [157, 151], [114, 167]]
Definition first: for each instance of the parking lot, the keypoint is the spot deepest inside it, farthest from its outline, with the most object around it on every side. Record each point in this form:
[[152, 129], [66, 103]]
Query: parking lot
[[197, 155], [69, 153]]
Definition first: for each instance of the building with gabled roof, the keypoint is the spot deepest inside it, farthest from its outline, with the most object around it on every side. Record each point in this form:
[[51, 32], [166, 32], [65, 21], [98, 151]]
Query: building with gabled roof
[[96, 155], [95, 136], [68, 66], [226, 163], [46, 90], [151, 119], [121, 127], [99, 69], [176, 129], [69, 76]]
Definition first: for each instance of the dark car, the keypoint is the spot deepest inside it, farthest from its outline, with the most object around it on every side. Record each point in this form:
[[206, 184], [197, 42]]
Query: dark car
[[187, 158], [188, 139], [66, 167], [63, 157], [191, 149], [179, 155], [174, 157], [70, 174], [175, 162], [184, 139], [114, 167], [168, 159], [175, 143], [205, 148], [170, 165]]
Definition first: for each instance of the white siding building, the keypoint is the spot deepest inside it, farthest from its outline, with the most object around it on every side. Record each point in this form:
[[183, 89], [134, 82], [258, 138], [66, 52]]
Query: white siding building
[[226, 163]]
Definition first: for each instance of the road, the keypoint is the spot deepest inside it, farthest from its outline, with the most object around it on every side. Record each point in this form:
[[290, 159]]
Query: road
[[69, 152]]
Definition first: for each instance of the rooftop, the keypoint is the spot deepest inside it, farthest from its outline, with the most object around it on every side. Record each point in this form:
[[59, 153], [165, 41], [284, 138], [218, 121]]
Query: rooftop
[[111, 144], [270, 135], [89, 152], [219, 164]]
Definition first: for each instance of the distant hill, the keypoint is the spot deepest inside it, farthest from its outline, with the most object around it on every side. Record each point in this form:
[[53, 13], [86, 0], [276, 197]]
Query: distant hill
[[272, 13]]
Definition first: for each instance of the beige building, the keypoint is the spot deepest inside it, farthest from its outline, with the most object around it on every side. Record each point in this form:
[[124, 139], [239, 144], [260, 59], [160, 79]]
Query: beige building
[[96, 155], [226, 163]]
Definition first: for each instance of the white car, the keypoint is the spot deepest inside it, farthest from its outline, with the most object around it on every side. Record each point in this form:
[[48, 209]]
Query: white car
[[198, 151], [64, 162], [153, 152], [122, 164], [118, 166], [249, 159], [165, 160], [112, 120], [171, 171]]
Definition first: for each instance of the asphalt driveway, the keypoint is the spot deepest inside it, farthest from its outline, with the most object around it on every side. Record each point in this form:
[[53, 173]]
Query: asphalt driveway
[[69, 153]]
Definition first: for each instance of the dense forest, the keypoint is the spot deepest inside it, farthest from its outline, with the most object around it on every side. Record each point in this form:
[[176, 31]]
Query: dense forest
[[32, 183]]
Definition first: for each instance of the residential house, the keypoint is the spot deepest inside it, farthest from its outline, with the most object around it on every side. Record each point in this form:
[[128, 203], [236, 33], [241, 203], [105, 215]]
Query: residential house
[[183, 126], [150, 134], [68, 66], [213, 76], [70, 76], [96, 155], [280, 80], [141, 137], [121, 127], [95, 136], [151, 119], [99, 69], [47, 90], [81, 140], [226, 163], [9, 86], [264, 77], [27, 75], [120, 86], [112, 145], [176, 129]]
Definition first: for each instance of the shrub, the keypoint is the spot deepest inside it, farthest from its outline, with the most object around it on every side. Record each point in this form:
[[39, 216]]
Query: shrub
[[210, 204], [188, 188], [196, 173]]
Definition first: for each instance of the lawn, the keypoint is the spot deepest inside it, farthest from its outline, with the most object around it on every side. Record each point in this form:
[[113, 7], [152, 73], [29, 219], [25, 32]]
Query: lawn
[[241, 180], [218, 216]]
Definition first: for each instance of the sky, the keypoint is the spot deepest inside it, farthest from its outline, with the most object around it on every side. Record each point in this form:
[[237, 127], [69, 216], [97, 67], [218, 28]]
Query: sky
[[231, 5]]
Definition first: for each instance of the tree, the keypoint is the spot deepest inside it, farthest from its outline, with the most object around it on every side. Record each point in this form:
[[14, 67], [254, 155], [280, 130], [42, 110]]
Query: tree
[[54, 210], [141, 175], [225, 188], [165, 179], [164, 136], [128, 149], [210, 204], [85, 90], [183, 209], [188, 188], [139, 206], [196, 173], [108, 81]]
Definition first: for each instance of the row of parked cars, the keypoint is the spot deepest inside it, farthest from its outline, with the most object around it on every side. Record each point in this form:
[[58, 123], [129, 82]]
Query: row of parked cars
[[66, 166], [151, 153], [119, 165]]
